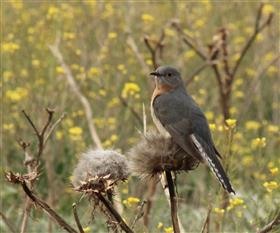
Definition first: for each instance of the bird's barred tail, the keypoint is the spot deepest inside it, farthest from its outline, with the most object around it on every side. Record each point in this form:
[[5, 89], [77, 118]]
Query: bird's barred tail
[[214, 165]]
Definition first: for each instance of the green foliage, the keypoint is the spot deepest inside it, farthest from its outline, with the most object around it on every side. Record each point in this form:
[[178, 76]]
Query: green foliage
[[94, 45]]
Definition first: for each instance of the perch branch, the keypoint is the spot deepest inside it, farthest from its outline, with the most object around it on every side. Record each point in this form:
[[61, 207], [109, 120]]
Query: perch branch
[[173, 202], [77, 220], [114, 213]]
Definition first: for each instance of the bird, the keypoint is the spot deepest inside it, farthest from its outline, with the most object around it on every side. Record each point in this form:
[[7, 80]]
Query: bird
[[177, 115]]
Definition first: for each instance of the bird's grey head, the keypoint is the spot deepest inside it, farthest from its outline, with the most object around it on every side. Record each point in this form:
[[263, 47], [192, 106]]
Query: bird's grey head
[[167, 75]]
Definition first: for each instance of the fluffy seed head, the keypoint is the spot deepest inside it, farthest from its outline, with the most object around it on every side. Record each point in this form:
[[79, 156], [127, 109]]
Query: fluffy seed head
[[99, 170], [155, 154]]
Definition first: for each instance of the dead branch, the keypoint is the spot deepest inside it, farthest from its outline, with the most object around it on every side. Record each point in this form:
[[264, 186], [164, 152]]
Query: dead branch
[[173, 202], [77, 220], [156, 50], [131, 109], [7, 222], [272, 225], [74, 86], [114, 213], [131, 42], [21, 179], [53, 127], [258, 28], [206, 225], [140, 214]]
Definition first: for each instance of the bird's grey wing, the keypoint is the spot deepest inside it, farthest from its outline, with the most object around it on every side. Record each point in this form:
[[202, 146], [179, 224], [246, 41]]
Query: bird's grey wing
[[189, 129], [173, 115]]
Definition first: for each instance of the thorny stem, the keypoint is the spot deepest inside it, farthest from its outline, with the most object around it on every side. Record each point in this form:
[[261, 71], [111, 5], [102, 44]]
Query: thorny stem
[[114, 213], [173, 202], [76, 216]]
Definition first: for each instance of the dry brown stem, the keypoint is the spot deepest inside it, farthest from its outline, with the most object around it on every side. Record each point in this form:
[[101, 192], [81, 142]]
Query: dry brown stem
[[22, 179], [173, 202], [272, 225], [76, 216]]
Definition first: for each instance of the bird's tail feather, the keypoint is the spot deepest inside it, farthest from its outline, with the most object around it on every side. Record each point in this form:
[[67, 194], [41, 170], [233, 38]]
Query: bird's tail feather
[[213, 163]]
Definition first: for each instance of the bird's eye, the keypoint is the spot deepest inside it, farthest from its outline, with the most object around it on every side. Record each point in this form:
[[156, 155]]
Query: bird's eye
[[169, 74]]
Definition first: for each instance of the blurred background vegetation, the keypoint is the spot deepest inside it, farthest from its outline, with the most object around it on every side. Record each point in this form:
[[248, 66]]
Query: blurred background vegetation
[[96, 45]]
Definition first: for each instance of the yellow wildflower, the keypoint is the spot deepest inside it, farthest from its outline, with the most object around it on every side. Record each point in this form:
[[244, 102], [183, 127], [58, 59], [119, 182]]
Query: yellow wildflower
[[199, 23], [270, 185], [9, 47], [212, 127], [102, 92], [147, 18], [69, 35], [273, 128], [149, 62], [112, 35], [219, 211], [268, 9], [272, 70], [247, 160], [58, 135], [52, 12], [189, 54], [133, 200], [87, 229], [114, 137], [59, 70], [24, 73], [252, 125], [160, 225], [94, 71], [231, 123], [259, 37], [250, 72], [168, 230], [75, 131], [209, 115], [35, 63], [130, 89], [8, 127], [268, 57], [258, 142], [17, 94], [274, 170], [7, 75], [113, 102], [236, 201]]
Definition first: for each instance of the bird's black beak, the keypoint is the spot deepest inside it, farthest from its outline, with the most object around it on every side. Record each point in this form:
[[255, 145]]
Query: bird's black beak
[[155, 73]]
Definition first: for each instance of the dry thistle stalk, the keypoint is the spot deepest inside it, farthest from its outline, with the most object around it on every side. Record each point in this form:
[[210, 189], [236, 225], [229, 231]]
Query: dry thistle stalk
[[155, 154], [96, 174]]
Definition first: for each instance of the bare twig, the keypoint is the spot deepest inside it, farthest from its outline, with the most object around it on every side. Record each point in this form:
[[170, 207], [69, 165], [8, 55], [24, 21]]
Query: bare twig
[[258, 29], [114, 213], [173, 202], [74, 86], [189, 41], [196, 72], [131, 109], [272, 225], [7, 222], [131, 42], [206, 225], [53, 127], [139, 214], [19, 179], [76, 216], [155, 50]]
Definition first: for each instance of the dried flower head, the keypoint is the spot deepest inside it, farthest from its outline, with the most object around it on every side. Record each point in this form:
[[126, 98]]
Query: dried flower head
[[99, 170], [156, 153]]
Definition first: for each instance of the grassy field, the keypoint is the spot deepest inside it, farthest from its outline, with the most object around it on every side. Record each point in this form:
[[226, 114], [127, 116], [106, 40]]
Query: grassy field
[[103, 45]]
